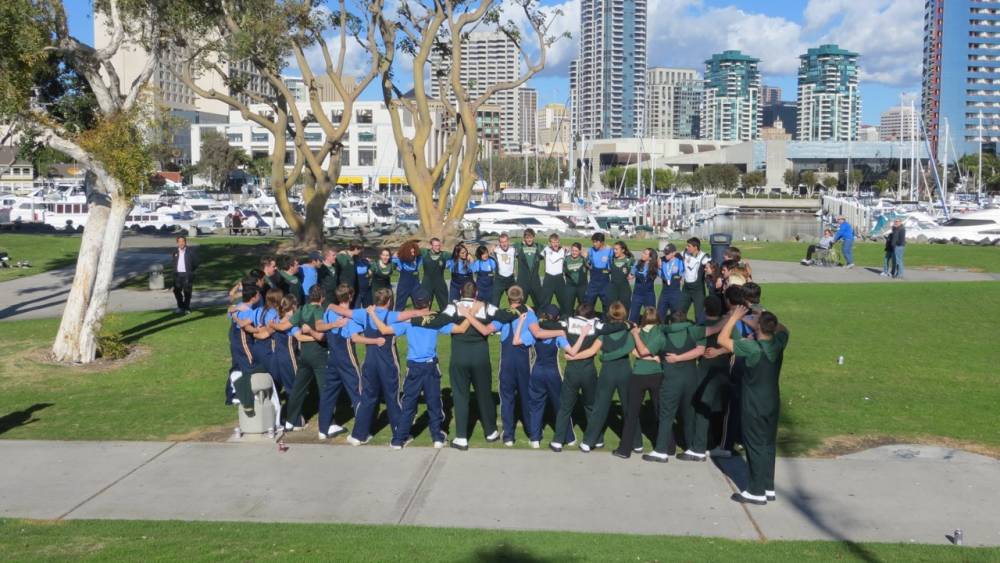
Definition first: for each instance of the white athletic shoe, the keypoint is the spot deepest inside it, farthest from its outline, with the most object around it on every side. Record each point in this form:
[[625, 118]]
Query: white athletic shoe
[[509, 443], [355, 442], [884, 274], [535, 444], [323, 436], [494, 436], [584, 447], [438, 445], [335, 430], [571, 443], [598, 445], [849, 266], [771, 496], [637, 450]]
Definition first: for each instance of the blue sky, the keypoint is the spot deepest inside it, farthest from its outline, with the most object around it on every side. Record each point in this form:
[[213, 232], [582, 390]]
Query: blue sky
[[887, 34]]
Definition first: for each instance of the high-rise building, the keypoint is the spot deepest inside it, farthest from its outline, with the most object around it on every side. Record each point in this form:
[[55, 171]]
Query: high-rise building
[[608, 79], [528, 118], [769, 95], [489, 58], [786, 112], [730, 107], [961, 72], [899, 124], [168, 90], [829, 102], [673, 96], [553, 130], [325, 89]]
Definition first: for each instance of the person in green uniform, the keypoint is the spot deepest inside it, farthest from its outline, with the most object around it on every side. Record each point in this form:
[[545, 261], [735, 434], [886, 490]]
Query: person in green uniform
[[290, 283], [647, 375], [621, 268], [580, 377], [434, 261], [684, 344], [327, 275], [615, 372], [529, 259], [381, 272], [711, 390], [575, 286], [470, 367], [347, 270], [312, 355], [760, 397]]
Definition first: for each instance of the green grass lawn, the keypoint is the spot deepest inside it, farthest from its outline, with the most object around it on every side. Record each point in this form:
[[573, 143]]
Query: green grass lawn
[[95, 540], [920, 363], [45, 252]]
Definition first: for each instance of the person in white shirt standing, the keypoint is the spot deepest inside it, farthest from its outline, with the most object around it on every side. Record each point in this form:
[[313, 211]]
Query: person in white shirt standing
[[506, 256], [554, 282], [694, 279], [185, 263]]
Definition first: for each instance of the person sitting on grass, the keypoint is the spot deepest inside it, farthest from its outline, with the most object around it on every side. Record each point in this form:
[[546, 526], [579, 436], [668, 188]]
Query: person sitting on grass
[[825, 243]]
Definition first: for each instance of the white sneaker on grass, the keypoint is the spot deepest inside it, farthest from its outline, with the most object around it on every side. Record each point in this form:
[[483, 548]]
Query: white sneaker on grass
[[509, 443], [535, 444]]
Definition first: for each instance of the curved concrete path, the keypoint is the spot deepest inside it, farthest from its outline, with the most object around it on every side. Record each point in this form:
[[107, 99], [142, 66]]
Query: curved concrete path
[[889, 494]]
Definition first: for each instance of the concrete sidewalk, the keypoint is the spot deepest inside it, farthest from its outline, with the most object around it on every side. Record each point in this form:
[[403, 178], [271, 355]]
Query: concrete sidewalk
[[889, 494]]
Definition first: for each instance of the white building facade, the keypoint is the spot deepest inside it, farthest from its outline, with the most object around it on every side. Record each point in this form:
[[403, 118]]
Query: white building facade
[[370, 158], [899, 124], [673, 97]]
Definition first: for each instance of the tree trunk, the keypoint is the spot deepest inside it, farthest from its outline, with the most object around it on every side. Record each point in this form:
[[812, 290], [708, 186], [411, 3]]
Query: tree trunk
[[66, 347], [92, 322]]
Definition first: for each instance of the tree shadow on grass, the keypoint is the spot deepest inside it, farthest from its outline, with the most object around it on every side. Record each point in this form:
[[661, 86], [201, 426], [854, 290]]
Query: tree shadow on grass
[[791, 488], [167, 321], [22, 417], [506, 552]]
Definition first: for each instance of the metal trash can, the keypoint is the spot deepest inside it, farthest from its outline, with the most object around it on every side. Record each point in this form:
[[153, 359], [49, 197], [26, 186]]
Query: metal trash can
[[720, 242], [156, 276]]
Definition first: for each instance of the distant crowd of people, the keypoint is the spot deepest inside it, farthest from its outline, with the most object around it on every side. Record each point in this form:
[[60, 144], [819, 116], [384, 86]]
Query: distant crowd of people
[[575, 326]]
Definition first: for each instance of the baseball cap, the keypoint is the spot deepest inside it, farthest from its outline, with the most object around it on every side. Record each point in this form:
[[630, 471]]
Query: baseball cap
[[551, 310]]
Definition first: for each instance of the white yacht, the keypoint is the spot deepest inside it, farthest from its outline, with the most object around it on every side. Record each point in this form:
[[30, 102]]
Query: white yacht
[[973, 226]]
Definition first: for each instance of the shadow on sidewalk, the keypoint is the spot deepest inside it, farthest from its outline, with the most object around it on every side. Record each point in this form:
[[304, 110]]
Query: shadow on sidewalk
[[167, 321], [792, 490], [20, 418]]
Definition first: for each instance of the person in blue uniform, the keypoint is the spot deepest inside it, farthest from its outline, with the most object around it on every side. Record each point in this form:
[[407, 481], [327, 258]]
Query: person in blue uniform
[[241, 340], [599, 264], [407, 262], [460, 266], [309, 269], [263, 341], [671, 275], [380, 371], [362, 268], [485, 268], [644, 275], [423, 377], [545, 386], [284, 362]]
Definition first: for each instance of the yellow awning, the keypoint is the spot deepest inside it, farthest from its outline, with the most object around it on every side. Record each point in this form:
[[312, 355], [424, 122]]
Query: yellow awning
[[351, 180], [392, 179]]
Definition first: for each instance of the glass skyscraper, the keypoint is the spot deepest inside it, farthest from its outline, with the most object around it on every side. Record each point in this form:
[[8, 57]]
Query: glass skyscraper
[[608, 79], [961, 72], [730, 107], [829, 106]]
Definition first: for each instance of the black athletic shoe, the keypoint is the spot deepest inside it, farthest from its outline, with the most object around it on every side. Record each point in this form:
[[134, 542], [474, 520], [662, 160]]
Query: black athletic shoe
[[771, 497], [744, 500], [647, 457], [684, 456], [621, 454], [555, 448]]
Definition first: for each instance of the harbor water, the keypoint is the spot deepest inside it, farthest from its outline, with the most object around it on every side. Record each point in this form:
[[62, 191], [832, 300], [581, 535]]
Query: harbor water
[[762, 227]]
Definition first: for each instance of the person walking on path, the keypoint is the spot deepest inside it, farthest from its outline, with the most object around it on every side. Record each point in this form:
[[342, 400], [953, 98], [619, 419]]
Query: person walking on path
[[845, 233], [185, 263], [898, 248], [888, 257], [761, 398]]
